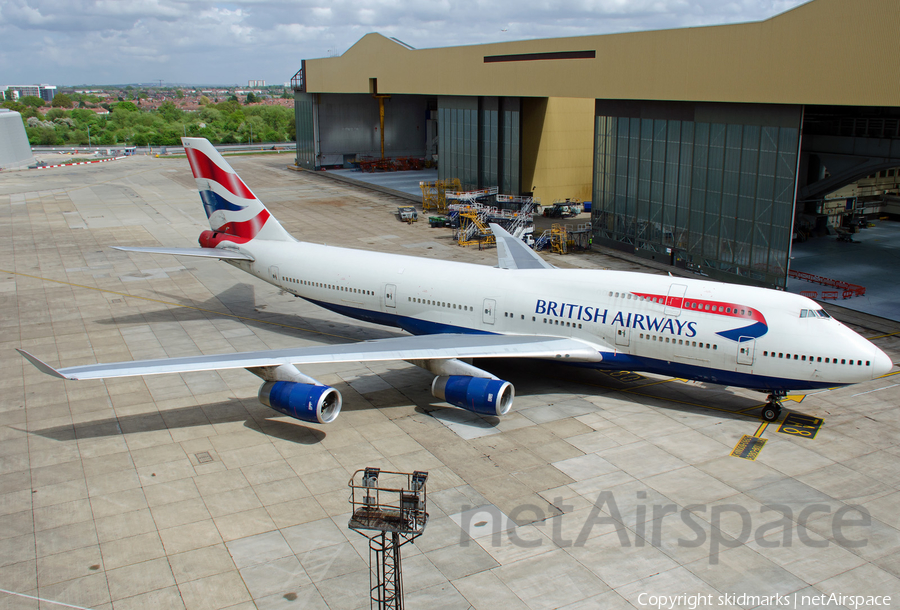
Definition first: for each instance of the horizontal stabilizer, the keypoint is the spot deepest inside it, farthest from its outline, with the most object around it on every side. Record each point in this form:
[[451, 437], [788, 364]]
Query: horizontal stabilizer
[[220, 253], [395, 348]]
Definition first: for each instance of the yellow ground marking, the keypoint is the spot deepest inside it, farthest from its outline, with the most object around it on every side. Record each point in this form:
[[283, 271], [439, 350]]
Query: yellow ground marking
[[748, 447], [761, 429], [647, 385], [173, 304], [797, 424], [883, 336]]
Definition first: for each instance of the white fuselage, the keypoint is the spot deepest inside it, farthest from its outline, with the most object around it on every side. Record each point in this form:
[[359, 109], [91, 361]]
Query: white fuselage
[[723, 333]]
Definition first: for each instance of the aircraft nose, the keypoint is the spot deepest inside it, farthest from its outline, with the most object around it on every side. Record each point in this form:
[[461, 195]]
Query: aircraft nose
[[881, 364]]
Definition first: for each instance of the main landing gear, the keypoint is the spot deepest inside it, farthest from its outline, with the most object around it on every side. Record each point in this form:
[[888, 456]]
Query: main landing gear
[[772, 410]]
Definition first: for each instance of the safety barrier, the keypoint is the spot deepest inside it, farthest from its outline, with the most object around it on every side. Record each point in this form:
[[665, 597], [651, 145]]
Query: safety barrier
[[849, 290]]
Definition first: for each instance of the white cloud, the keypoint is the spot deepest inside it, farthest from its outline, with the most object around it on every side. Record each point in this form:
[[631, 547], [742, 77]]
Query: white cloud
[[203, 41]]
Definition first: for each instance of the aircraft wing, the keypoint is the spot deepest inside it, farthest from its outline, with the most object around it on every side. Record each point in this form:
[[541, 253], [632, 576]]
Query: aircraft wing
[[514, 253], [220, 253], [420, 347]]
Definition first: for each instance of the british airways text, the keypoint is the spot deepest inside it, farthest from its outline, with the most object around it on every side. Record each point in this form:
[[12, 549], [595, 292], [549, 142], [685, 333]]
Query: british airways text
[[584, 313]]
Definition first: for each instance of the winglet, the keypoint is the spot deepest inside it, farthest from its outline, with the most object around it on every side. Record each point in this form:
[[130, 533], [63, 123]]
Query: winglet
[[42, 366]]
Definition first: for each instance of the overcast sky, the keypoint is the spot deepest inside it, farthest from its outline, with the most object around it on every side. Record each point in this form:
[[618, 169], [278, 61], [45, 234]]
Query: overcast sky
[[75, 42]]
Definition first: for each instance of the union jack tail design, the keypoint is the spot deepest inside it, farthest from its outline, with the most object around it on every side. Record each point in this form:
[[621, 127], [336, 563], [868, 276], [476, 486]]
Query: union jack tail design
[[235, 213]]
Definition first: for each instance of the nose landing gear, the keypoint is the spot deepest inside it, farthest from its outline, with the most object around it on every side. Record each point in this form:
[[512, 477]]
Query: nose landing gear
[[772, 410]]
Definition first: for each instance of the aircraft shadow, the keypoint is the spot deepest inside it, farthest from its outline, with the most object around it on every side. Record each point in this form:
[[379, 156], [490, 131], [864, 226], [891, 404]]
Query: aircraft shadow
[[533, 378], [229, 411], [239, 304]]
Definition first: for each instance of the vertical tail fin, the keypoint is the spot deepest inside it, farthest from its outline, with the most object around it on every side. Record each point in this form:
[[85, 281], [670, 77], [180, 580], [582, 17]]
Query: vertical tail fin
[[235, 213]]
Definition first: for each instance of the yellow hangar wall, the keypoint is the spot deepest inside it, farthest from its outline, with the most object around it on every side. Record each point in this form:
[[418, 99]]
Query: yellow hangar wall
[[839, 52], [557, 147]]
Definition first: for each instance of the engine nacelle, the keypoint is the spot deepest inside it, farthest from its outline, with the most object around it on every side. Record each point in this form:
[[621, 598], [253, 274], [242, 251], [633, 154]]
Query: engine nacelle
[[306, 402], [477, 394]]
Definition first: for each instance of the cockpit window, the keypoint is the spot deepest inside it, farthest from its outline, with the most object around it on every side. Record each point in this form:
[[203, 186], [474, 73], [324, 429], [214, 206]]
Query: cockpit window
[[814, 313]]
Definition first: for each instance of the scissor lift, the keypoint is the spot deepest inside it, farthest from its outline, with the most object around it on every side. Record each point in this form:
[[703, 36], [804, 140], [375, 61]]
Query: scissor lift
[[388, 508]]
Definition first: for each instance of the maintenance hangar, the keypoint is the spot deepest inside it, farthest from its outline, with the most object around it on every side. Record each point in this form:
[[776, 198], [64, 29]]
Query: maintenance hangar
[[697, 146]]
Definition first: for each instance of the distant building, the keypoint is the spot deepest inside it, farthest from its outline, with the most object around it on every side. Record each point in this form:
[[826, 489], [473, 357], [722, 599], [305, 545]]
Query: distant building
[[256, 83], [45, 92], [15, 151]]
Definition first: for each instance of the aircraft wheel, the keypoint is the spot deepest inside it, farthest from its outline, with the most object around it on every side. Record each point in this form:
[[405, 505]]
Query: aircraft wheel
[[771, 412]]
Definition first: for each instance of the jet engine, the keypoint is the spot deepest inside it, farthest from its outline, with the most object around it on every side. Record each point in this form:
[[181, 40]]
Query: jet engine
[[477, 394], [306, 402]]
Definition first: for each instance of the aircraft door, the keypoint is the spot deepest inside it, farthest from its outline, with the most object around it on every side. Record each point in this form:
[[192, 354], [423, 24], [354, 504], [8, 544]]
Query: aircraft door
[[488, 312], [746, 348], [621, 335], [390, 295], [675, 299], [273, 274]]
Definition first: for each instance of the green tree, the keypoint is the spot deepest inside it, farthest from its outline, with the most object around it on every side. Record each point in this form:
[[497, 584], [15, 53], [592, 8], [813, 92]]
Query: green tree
[[233, 98], [14, 106], [125, 107], [204, 100], [251, 98], [32, 101], [170, 112], [45, 136], [56, 113], [179, 94], [61, 100]]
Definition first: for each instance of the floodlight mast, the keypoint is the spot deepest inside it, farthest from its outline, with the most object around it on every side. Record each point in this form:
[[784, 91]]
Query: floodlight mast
[[385, 502]]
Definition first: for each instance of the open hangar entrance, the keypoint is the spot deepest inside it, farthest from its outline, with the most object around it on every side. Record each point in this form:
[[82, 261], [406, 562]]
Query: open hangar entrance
[[849, 168], [338, 129], [720, 188]]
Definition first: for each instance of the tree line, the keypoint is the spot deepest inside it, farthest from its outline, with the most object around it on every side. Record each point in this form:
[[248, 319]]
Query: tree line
[[223, 123]]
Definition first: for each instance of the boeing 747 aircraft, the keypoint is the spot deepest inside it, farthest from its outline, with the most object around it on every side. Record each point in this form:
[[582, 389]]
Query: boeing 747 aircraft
[[523, 308]]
